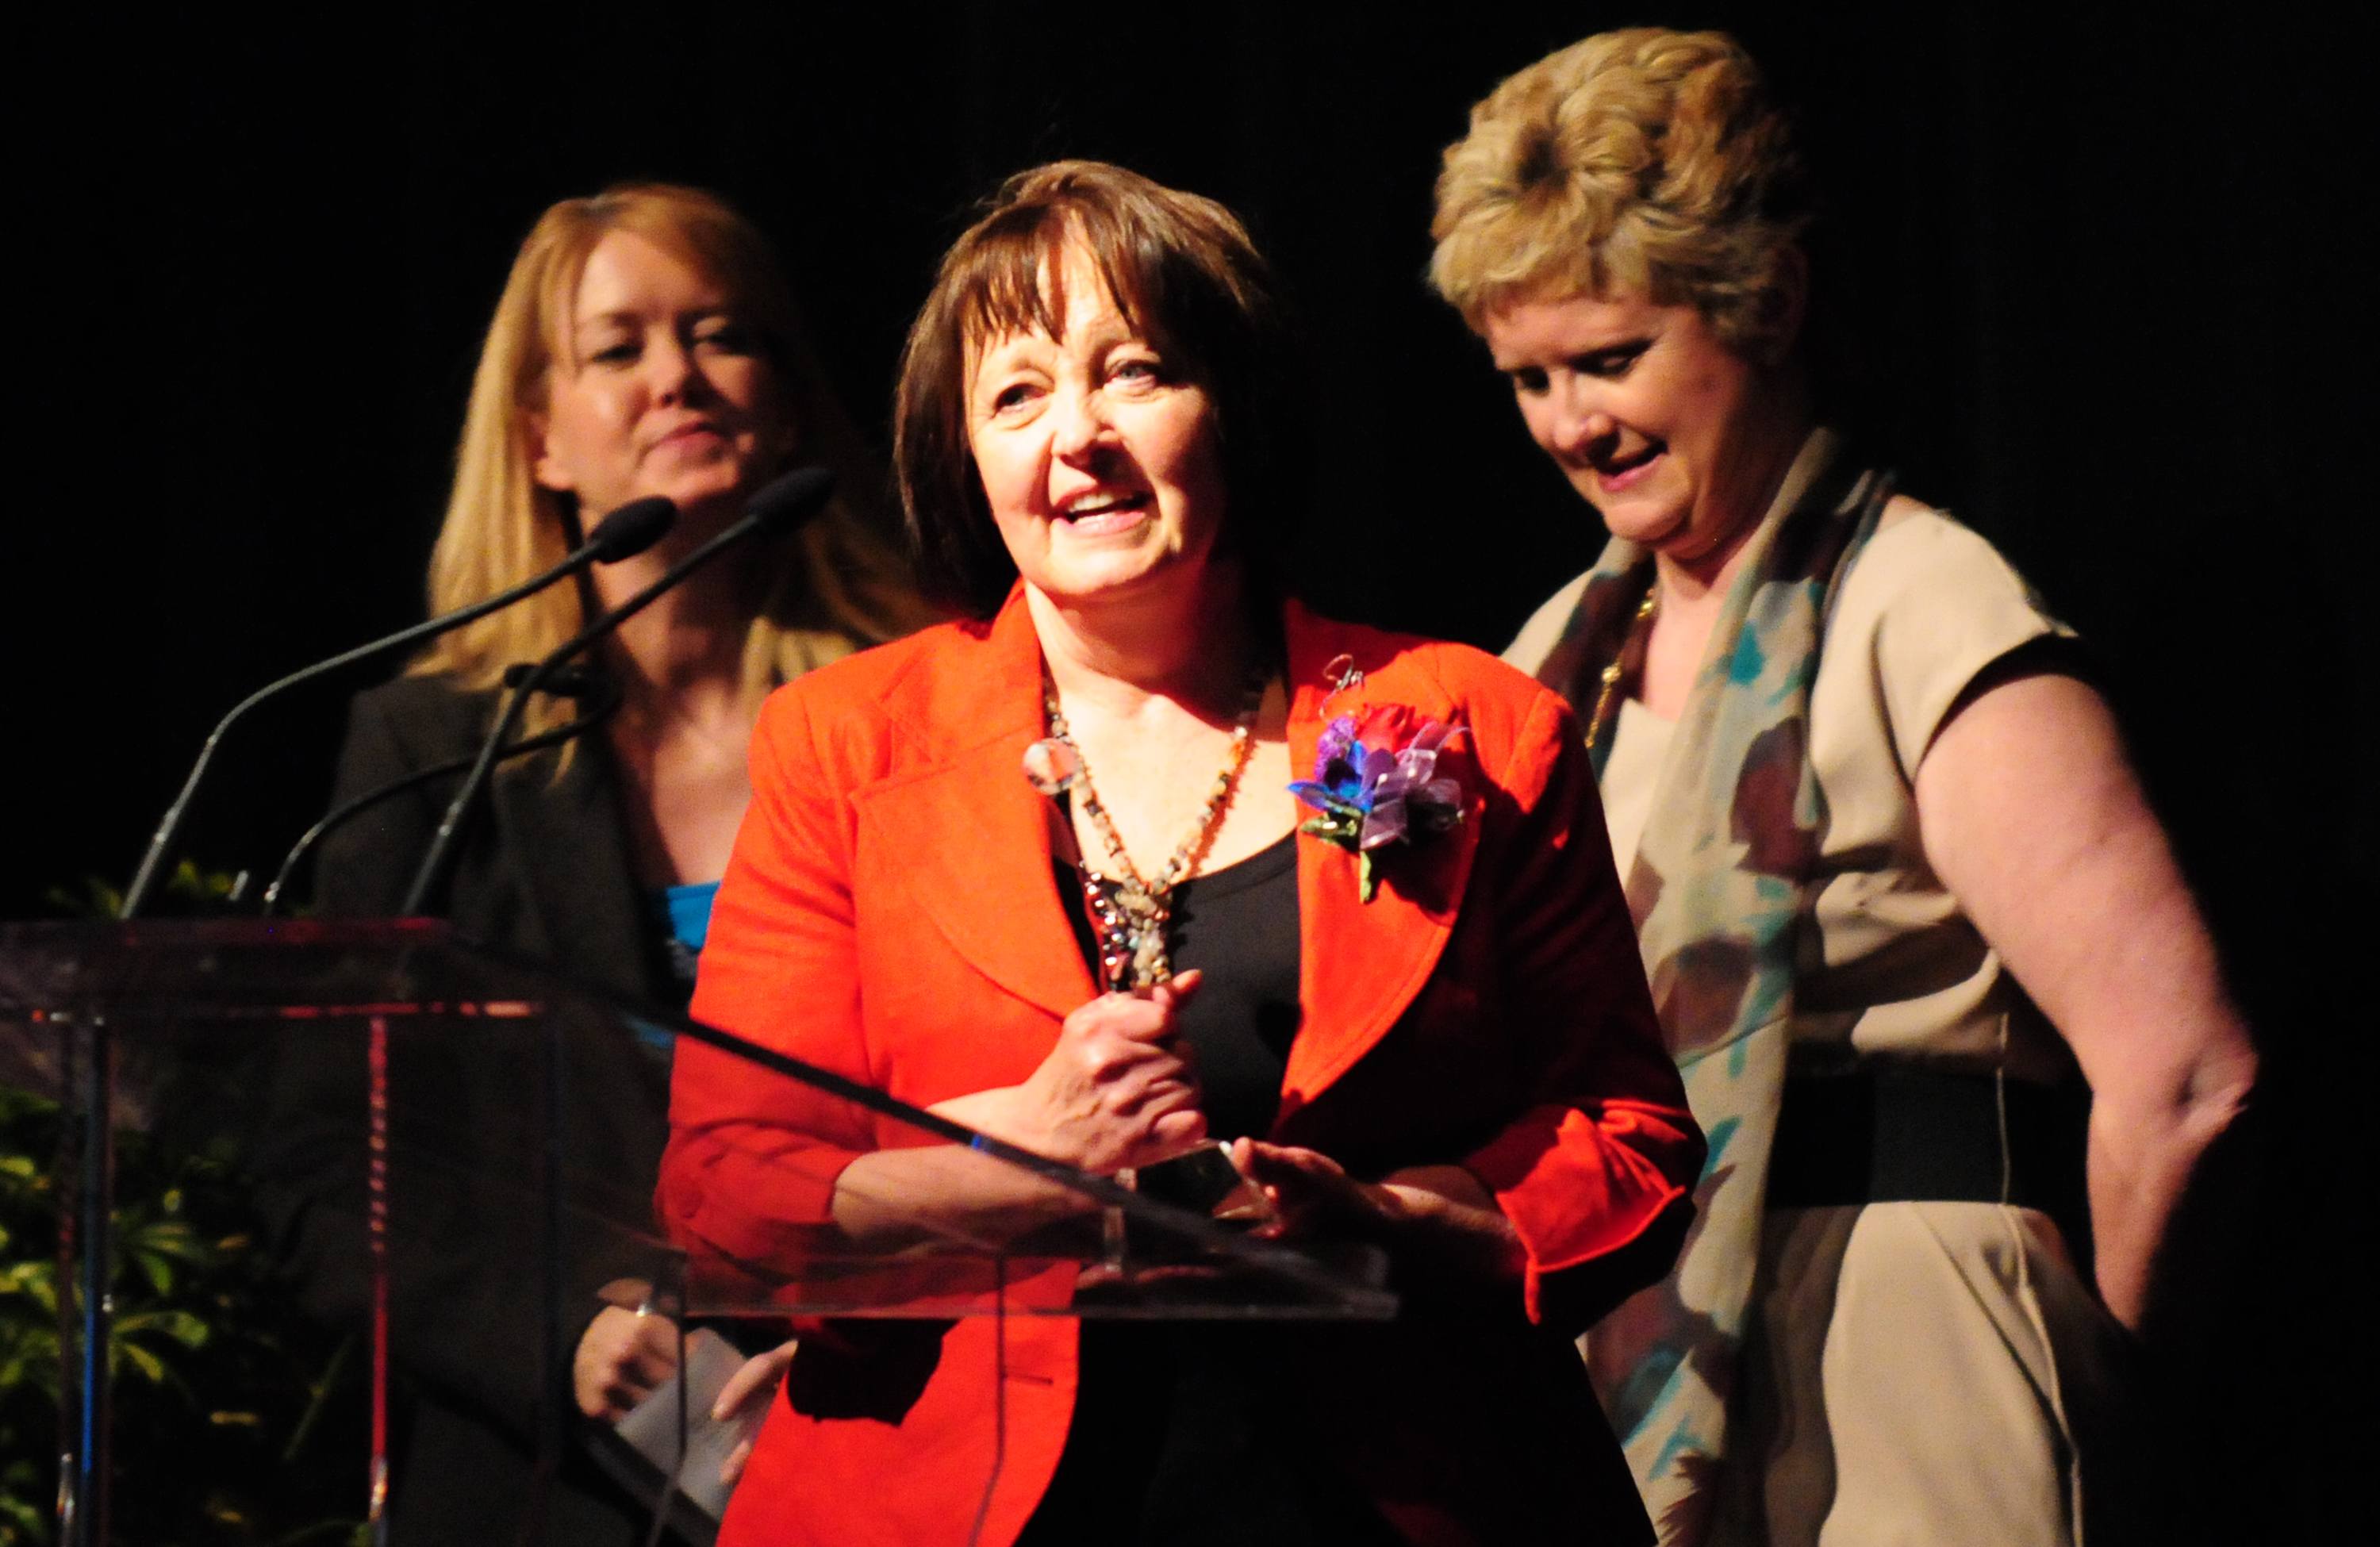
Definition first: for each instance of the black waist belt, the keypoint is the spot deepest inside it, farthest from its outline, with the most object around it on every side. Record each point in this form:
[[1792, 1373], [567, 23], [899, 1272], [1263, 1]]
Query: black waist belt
[[1908, 1134]]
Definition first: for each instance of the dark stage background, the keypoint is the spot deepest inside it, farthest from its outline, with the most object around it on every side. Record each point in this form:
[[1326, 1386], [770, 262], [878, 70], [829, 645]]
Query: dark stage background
[[2086, 283]]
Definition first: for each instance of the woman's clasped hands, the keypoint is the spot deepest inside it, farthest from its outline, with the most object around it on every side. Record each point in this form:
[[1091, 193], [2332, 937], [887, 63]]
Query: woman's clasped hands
[[1118, 1091]]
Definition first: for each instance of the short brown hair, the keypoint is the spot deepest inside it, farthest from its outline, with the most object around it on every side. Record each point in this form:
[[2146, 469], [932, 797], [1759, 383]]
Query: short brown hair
[[1642, 160], [1183, 272]]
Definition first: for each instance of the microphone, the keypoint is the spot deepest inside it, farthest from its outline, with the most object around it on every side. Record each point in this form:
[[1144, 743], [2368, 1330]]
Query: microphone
[[780, 506], [628, 530]]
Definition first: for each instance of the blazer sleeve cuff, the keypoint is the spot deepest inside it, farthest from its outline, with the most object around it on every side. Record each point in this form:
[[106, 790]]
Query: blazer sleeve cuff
[[1597, 1218], [764, 1215]]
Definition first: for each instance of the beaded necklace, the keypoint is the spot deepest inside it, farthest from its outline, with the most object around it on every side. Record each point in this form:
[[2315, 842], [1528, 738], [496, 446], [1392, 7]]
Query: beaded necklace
[[1129, 910]]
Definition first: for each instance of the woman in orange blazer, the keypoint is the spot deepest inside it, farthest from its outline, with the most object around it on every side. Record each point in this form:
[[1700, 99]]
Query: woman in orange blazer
[[1418, 1019]]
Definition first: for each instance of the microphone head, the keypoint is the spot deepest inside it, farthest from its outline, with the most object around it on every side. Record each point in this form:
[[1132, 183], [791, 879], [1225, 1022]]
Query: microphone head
[[790, 499], [573, 681], [632, 527]]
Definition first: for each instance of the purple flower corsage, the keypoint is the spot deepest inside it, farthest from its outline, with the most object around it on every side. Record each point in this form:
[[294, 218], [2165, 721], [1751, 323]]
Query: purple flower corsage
[[1368, 797]]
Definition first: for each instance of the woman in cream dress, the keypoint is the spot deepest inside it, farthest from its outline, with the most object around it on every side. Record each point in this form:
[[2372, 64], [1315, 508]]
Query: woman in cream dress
[[1894, 882]]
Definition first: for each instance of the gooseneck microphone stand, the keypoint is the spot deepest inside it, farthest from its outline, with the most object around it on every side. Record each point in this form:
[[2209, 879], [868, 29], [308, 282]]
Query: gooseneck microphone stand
[[782, 505], [599, 698], [628, 530], [88, 1157]]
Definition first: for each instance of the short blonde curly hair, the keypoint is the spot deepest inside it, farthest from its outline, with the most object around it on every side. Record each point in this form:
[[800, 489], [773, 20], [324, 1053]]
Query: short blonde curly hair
[[1641, 161]]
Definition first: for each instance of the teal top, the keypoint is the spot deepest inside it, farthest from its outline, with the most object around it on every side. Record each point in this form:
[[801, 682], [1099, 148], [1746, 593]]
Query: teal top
[[687, 910], [681, 922]]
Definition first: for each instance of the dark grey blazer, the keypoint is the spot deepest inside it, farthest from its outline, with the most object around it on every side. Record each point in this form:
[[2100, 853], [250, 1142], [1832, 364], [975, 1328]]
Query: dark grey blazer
[[543, 871]]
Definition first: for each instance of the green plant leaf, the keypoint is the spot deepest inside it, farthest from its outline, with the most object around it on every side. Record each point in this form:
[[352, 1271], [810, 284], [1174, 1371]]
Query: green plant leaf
[[126, 1352], [91, 898], [157, 1268], [35, 1279], [21, 1522], [182, 1326]]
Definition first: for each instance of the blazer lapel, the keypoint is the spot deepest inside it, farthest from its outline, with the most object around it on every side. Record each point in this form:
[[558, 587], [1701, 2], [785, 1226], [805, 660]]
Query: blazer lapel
[[1361, 964], [973, 854], [569, 854], [971, 836]]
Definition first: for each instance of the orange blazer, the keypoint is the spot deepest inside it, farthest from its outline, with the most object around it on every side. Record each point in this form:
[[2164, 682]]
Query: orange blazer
[[891, 912]]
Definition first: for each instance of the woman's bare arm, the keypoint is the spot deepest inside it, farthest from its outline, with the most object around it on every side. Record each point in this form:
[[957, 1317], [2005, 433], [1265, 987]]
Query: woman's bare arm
[[2030, 812]]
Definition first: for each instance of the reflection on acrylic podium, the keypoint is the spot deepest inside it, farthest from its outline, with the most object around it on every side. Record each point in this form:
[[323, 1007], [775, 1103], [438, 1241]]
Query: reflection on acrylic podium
[[454, 1151]]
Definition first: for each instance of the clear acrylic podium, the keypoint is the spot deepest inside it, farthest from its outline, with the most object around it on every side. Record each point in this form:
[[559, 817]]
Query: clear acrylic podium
[[456, 1150]]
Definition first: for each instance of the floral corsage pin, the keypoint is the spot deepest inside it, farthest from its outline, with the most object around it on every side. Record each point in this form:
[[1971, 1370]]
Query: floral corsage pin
[[1369, 797]]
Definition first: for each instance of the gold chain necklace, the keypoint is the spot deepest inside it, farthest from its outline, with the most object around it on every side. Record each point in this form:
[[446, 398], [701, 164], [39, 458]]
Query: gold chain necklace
[[1618, 666], [1131, 911]]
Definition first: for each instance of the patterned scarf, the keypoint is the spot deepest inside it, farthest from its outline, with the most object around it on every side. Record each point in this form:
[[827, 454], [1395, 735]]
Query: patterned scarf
[[1717, 893]]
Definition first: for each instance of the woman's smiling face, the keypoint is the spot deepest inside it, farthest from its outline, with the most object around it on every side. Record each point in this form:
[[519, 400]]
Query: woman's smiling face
[[1664, 429], [659, 387], [1097, 449]]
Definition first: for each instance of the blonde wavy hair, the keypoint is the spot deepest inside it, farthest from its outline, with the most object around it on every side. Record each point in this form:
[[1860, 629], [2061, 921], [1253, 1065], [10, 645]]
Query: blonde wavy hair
[[839, 585], [1641, 161]]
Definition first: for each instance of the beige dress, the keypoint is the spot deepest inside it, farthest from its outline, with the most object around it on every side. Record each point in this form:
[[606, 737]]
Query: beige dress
[[1918, 1372]]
